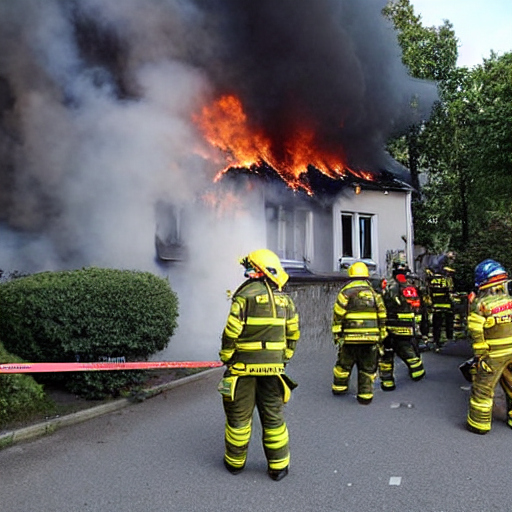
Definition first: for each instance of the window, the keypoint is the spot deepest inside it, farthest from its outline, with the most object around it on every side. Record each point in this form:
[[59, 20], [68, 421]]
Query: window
[[357, 238], [170, 230], [365, 237], [347, 250], [289, 232]]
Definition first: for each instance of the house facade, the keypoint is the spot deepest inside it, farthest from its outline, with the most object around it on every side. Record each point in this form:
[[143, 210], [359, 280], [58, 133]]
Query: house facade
[[360, 221], [321, 232]]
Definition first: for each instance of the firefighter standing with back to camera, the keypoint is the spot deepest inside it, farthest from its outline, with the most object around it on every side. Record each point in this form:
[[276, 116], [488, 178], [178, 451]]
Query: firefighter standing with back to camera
[[358, 328], [440, 290], [258, 340], [490, 326], [403, 309]]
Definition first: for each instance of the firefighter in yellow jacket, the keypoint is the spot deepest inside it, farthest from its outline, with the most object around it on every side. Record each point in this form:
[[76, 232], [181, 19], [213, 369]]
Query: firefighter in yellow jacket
[[490, 326], [358, 327], [259, 339]]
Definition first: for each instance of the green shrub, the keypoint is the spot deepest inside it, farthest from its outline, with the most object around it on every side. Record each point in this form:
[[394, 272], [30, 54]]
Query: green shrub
[[20, 395], [88, 315]]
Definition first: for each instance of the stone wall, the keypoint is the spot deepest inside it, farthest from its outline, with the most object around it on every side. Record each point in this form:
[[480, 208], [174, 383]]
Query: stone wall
[[314, 302]]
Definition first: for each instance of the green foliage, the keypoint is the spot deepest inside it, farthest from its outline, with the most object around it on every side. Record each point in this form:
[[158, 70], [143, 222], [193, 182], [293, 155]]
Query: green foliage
[[89, 315], [464, 150], [468, 148], [20, 395], [428, 52], [493, 240]]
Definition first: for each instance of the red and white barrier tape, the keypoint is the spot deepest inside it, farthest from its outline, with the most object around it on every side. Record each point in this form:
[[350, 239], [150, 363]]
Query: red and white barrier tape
[[88, 367]]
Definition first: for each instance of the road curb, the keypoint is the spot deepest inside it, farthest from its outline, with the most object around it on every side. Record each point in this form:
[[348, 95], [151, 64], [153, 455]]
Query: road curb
[[49, 426]]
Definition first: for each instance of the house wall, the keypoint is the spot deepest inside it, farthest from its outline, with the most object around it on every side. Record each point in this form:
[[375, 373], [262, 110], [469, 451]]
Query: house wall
[[392, 220]]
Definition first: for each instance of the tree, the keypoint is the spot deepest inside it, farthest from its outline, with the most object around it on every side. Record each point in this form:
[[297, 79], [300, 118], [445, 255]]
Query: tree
[[464, 150], [429, 53]]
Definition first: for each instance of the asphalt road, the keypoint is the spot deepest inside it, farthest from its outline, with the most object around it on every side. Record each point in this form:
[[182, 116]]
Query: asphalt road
[[407, 451]]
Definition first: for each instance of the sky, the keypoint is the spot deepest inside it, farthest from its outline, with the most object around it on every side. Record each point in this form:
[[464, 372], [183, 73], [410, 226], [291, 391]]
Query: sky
[[480, 25]]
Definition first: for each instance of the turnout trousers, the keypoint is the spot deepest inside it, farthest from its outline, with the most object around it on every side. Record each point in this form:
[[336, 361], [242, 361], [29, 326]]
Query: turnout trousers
[[489, 372], [440, 316], [266, 394], [403, 347], [365, 357]]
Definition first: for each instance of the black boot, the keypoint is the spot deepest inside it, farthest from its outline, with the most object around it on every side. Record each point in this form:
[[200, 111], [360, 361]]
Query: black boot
[[277, 474], [387, 385], [232, 469], [364, 401], [476, 430]]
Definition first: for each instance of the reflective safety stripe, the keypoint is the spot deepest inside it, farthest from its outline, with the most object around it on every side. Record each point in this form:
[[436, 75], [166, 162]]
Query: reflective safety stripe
[[240, 368], [238, 436], [279, 464], [340, 373], [500, 342], [362, 315], [336, 328], [260, 345], [406, 315], [234, 327], [338, 310], [496, 352], [417, 374], [361, 338], [362, 330], [288, 353], [292, 328], [275, 438], [293, 322], [404, 331], [293, 336], [260, 320], [226, 354]]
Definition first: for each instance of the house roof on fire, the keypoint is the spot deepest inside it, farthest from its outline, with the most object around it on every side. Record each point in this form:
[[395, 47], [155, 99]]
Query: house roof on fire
[[392, 176]]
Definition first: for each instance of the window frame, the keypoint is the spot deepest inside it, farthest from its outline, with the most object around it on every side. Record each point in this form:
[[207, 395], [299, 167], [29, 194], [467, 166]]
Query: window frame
[[356, 239]]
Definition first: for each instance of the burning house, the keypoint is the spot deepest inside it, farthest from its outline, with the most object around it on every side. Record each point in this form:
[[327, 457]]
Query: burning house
[[221, 125], [316, 233]]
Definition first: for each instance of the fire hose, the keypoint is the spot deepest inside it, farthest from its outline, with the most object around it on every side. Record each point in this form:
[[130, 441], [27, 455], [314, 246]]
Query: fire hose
[[88, 367]]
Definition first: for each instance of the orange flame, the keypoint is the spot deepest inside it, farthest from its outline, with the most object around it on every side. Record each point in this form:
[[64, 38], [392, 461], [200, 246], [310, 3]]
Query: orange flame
[[225, 125]]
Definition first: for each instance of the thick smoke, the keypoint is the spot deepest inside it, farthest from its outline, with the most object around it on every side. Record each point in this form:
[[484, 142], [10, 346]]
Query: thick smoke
[[96, 101], [331, 64]]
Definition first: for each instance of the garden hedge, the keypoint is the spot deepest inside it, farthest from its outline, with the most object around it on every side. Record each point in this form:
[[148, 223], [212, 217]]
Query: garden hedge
[[90, 314]]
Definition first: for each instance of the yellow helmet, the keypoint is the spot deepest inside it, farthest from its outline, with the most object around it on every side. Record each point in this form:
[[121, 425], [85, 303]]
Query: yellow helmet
[[267, 262], [358, 269]]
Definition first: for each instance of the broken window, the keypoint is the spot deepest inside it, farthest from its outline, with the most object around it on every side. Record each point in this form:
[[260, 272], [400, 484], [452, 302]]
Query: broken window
[[170, 228]]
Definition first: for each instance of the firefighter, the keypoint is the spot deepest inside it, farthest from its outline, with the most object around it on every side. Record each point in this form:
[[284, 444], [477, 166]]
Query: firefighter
[[490, 326], [440, 290], [403, 308], [358, 328], [258, 340]]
